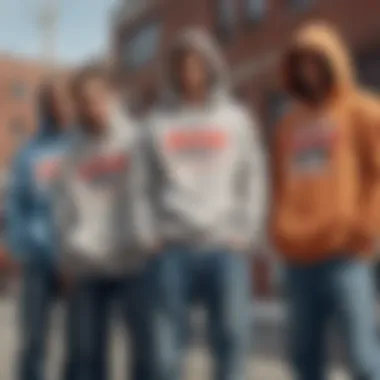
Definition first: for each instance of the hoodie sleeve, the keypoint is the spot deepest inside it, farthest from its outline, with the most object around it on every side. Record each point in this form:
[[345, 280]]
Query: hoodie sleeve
[[368, 132], [254, 187], [17, 208], [63, 208], [143, 178]]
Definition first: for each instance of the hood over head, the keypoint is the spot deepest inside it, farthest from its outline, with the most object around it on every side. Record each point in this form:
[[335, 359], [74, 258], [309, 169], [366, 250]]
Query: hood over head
[[120, 122], [200, 41], [323, 42]]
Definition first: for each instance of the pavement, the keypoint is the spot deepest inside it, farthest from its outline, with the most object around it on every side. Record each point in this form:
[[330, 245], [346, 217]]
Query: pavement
[[267, 360]]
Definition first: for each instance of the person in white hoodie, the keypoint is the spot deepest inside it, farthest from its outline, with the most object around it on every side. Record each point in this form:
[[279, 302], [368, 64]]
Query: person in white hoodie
[[98, 243], [206, 191]]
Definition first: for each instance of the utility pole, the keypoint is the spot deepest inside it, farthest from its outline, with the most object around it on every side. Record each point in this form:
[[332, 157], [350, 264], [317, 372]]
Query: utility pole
[[48, 22]]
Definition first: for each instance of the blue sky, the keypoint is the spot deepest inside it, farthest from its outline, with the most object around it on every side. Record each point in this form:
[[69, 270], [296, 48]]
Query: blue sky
[[82, 28]]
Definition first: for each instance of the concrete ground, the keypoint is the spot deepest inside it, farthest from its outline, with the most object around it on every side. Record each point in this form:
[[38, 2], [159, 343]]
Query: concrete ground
[[266, 362]]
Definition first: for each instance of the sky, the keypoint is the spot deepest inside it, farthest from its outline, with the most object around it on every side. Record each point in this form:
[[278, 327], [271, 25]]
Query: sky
[[82, 29]]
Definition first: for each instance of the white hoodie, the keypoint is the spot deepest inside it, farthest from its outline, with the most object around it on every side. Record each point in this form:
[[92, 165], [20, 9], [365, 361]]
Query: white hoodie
[[205, 165], [94, 198]]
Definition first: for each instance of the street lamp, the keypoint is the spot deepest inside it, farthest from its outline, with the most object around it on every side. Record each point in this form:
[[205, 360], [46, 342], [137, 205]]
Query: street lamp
[[47, 21]]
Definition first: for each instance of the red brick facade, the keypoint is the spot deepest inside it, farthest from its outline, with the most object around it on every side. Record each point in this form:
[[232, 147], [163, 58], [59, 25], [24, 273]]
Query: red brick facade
[[19, 79], [19, 83]]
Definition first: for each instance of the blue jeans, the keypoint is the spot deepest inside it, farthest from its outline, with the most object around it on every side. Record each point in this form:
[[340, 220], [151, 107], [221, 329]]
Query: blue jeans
[[221, 281], [90, 316], [39, 290], [343, 289]]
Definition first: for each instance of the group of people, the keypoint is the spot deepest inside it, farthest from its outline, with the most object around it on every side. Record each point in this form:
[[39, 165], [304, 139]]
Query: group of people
[[156, 213]]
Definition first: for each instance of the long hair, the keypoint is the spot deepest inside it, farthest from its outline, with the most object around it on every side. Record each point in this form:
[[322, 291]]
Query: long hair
[[79, 79], [45, 103]]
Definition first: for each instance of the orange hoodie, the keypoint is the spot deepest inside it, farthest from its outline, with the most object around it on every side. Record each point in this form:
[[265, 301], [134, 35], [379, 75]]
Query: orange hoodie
[[326, 172]]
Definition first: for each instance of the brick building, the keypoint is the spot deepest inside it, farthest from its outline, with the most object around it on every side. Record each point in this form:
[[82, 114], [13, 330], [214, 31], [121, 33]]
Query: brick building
[[19, 81], [252, 34]]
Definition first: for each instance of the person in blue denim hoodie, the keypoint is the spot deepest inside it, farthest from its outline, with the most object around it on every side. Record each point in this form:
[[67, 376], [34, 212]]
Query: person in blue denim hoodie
[[30, 224]]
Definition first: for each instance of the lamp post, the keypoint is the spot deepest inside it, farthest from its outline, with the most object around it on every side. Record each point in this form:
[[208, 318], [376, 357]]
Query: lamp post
[[47, 21]]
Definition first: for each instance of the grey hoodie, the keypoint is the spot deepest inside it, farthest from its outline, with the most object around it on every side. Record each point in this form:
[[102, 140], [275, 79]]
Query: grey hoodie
[[94, 196], [205, 165]]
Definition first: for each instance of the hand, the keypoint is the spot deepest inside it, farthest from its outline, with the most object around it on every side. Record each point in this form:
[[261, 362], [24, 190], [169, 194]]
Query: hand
[[150, 247], [155, 248], [376, 246], [238, 245], [66, 284], [6, 264], [362, 242]]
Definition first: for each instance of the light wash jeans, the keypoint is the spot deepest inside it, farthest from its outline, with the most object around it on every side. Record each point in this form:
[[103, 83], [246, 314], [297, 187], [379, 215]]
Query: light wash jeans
[[220, 280], [344, 289]]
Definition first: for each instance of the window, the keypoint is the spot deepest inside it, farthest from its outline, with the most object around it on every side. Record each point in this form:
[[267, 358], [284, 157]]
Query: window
[[227, 17], [255, 9], [18, 89], [368, 69], [302, 4], [143, 46]]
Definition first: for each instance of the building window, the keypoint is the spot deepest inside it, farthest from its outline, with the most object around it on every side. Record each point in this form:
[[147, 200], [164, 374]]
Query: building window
[[302, 4], [255, 9], [18, 89], [227, 18], [368, 69], [143, 46]]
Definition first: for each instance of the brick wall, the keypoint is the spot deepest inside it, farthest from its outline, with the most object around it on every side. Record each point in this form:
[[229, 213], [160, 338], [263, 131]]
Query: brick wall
[[18, 83]]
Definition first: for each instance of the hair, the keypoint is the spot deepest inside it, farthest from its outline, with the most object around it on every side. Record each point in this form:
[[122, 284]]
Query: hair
[[44, 96], [78, 81], [45, 102], [86, 74]]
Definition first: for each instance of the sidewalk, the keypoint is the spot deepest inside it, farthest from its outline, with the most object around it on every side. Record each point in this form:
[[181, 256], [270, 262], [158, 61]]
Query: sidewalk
[[267, 361]]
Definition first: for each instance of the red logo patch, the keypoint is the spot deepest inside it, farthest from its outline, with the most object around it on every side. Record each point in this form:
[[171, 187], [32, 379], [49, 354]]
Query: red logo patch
[[103, 166], [193, 140]]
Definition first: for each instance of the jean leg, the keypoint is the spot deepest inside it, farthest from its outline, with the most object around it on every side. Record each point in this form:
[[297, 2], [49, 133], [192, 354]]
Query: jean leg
[[171, 274], [309, 312], [355, 301], [377, 278], [138, 316], [38, 293], [226, 293], [87, 330]]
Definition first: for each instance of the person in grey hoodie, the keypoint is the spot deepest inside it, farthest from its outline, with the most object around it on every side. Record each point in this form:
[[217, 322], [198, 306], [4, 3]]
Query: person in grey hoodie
[[98, 250], [205, 187]]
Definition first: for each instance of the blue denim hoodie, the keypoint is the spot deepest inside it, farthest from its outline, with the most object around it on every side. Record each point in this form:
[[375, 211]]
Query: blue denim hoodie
[[30, 226]]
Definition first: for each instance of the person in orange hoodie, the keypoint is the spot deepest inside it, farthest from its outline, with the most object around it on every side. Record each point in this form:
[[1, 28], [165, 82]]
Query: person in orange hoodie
[[326, 178]]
